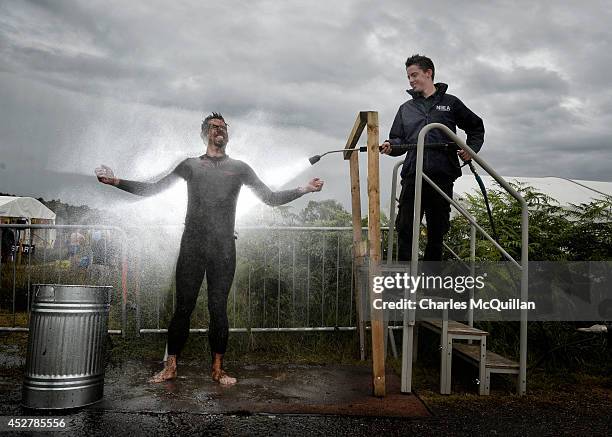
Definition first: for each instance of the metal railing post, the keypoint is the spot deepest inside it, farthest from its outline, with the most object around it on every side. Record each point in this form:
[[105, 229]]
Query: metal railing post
[[308, 285], [337, 275], [29, 271], [392, 213], [264, 286], [278, 296], [472, 271], [293, 283], [524, 298], [408, 337], [323, 281]]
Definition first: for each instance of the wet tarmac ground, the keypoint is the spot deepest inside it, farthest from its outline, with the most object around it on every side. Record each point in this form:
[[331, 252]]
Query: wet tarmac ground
[[297, 389], [296, 400], [268, 400]]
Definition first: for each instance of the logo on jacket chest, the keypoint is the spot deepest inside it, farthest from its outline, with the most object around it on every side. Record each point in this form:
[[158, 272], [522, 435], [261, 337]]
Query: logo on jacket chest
[[443, 108]]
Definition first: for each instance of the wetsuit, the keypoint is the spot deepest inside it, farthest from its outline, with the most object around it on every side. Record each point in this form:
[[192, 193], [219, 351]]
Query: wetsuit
[[208, 244]]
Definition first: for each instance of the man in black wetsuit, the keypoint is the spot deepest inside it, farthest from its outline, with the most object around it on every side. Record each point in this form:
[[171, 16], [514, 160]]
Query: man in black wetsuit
[[208, 244]]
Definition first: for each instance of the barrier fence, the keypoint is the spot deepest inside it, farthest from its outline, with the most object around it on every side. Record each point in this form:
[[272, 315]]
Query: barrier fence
[[60, 254], [287, 279]]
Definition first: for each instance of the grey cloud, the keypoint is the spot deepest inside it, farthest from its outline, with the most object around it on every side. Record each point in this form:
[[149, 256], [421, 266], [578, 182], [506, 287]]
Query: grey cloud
[[489, 80], [125, 73]]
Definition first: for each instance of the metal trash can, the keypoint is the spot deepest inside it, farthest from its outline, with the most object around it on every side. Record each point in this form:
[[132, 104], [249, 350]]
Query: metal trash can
[[66, 345]]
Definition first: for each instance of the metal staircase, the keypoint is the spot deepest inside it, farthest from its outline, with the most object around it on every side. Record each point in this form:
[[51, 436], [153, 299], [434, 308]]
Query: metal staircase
[[454, 334]]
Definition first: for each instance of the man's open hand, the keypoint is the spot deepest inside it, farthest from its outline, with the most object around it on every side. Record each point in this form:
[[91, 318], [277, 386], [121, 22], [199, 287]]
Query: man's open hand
[[106, 175], [315, 184]]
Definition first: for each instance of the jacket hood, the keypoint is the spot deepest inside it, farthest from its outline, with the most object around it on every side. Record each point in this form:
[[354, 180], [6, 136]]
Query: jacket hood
[[440, 90]]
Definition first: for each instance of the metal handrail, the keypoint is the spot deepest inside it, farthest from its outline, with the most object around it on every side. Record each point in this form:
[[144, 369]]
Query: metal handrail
[[408, 321], [457, 206], [269, 228], [392, 213], [472, 220]]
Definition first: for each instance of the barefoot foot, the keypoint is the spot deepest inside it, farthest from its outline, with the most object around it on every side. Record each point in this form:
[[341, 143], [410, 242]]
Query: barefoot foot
[[164, 375], [223, 378], [168, 373]]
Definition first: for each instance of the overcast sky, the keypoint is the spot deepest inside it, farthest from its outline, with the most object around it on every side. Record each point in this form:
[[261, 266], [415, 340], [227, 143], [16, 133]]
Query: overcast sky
[[127, 84]]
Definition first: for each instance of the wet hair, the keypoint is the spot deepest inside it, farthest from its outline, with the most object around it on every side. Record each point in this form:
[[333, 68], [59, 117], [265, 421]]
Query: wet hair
[[423, 62], [213, 116]]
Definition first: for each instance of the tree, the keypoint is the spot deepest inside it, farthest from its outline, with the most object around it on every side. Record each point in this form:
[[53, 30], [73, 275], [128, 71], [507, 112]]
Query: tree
[[325, 213]]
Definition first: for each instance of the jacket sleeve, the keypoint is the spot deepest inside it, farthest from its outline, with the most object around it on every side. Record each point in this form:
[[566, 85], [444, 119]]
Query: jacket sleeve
[[397, 134], [471, 124], [152, 188], [267, 196]]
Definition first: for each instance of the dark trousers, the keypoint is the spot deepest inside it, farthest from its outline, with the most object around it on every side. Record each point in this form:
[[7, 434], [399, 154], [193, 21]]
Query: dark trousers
[[437, 213], [199, 256]]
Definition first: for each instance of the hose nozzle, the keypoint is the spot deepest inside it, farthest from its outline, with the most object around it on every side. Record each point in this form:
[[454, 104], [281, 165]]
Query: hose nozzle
[[402, 147], [314, 159]]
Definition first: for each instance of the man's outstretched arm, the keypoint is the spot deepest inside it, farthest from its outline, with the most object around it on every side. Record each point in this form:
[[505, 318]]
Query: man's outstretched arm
[[276, 198], [106, 176]]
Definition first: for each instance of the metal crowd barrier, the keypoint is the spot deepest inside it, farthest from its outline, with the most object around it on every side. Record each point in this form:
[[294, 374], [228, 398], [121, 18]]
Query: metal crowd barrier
[[62, 262], [288, 279]]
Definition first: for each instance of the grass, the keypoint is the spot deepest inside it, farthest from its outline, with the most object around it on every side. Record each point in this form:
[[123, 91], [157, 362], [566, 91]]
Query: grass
[[265, 348], [21, 319]]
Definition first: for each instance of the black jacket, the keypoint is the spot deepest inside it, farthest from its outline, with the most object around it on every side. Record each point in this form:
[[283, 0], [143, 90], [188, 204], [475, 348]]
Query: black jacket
[[446, 109]]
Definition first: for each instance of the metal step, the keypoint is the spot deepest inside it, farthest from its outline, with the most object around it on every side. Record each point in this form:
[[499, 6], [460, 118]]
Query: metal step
[[494, 362], [450, 331], [454, 328]]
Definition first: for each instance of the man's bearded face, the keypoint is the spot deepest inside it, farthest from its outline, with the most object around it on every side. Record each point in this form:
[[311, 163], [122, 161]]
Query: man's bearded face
[[217, 132]]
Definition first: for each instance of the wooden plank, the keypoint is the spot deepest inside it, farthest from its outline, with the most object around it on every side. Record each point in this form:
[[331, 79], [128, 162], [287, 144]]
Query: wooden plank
[[454, 327], [358, 252], [355, 183], [353, 138], [355, 198], [378, 335], [494, 361]]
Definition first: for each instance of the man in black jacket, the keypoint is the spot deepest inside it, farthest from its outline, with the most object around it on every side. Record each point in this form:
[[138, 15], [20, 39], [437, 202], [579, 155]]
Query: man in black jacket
[[429, 104]]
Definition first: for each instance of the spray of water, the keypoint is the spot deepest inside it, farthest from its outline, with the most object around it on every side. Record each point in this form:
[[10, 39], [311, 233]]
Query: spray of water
[[135, 148], [139, 143]]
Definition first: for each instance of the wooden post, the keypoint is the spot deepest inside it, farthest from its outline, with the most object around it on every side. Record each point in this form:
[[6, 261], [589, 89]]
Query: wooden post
[[359, 249], [377, 322]]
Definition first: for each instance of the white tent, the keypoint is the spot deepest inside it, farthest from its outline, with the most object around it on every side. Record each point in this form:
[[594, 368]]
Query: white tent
[[24, 207], [32, 211]]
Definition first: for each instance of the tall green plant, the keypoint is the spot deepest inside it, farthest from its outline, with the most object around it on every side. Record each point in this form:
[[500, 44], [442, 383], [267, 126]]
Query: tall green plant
[[583, 232]]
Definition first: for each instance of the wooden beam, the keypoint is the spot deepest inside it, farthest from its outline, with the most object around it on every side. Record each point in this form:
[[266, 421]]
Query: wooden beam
[[360, 123], [377, 322], [359, 249]]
